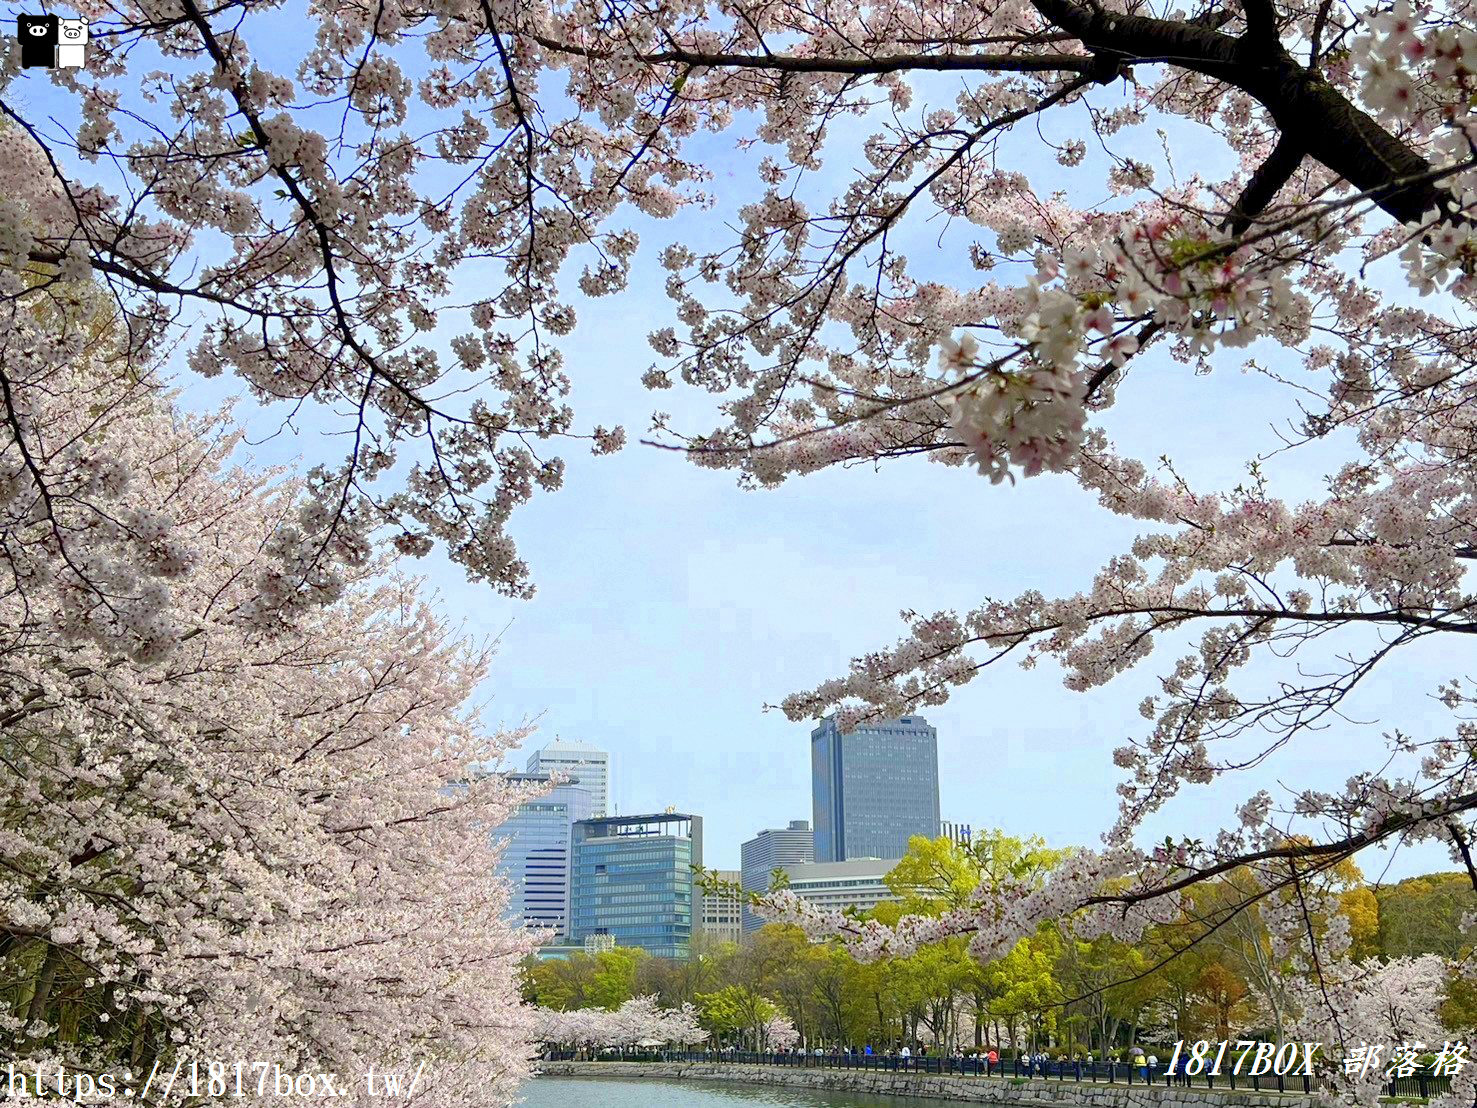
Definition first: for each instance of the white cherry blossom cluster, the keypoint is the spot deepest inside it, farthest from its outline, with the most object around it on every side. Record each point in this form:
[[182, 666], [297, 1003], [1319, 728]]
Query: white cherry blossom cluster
[[999, 915], [640, 1021], [779, 1033], [1415, 66], [1344, 1005], [1031, 418], [1089, 301]]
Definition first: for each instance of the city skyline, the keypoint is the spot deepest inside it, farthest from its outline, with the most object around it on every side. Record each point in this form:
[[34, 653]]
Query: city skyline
[[571, 758], [592, 877]]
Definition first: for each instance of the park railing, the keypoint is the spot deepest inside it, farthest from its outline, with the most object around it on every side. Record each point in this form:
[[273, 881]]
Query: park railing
[[1112, 1073]]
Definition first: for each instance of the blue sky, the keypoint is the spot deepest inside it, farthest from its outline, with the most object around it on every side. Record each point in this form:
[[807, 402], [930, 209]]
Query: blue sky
[[673, 606]]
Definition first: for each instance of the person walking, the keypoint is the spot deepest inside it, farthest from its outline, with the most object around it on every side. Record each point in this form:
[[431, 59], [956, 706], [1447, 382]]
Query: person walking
[[1141, 1062]]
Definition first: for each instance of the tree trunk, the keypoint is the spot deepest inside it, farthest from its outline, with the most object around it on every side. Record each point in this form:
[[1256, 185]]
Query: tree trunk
[[44, 978]]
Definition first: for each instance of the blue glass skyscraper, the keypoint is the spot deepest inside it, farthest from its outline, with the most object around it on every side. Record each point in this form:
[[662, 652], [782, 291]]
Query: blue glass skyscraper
[[874, 789]]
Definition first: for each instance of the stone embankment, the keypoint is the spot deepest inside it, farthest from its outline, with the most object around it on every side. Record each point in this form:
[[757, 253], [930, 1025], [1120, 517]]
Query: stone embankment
[[1011, 1092]]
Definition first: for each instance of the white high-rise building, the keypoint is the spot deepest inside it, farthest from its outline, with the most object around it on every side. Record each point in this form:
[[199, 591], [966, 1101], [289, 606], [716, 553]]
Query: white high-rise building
[[578, 760], [723, 910], [858, 883]]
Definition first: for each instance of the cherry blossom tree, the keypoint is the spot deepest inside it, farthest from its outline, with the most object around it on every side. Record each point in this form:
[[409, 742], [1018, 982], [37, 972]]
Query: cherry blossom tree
[[579, 1028], [779, 1033], [1380, 1006], [680, 1025], [238, 821], [303, 222], [640, 1020]]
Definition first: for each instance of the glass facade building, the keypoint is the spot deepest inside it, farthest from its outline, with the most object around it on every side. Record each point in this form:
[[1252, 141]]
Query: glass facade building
[[874, 789], [536, 857], [631, 879], [771, 848]]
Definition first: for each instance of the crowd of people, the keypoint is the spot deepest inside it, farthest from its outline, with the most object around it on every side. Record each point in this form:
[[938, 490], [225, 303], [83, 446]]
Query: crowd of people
[[991, 1060]]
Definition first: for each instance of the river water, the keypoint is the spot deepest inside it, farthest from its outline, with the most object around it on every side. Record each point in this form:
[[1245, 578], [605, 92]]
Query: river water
[[609, 1092]]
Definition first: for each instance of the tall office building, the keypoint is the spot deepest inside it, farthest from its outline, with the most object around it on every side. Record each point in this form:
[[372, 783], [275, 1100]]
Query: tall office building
[[722, 910], [773, 847], [631, 878], [873, 789], [572, 759], [536, 858]]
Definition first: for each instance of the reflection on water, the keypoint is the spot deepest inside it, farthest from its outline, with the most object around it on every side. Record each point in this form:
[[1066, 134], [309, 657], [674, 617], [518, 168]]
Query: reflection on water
[[605, 1092]]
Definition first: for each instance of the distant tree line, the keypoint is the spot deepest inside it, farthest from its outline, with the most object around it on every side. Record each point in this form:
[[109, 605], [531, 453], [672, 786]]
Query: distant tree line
[[1212, 972]]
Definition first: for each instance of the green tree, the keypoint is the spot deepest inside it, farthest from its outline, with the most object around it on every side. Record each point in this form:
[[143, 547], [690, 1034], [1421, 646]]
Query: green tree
[[792, 966], [938, 874], [1108, 985], [1423, 915], [1025, 990], [606, 980], [735, 1013], [1179, 962], [614, 981], [678, 981]]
